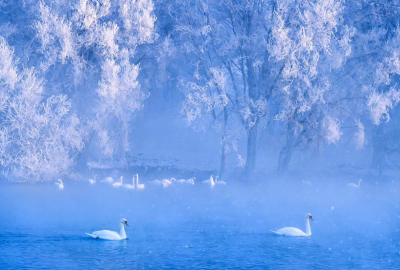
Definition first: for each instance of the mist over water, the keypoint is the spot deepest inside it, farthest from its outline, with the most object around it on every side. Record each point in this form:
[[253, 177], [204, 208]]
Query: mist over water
[[287, 101], [195, 226]]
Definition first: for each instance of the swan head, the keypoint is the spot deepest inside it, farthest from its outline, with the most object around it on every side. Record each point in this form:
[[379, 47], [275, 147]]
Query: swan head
[[124, 221], [173, 179], [60, 181], [309, 216]]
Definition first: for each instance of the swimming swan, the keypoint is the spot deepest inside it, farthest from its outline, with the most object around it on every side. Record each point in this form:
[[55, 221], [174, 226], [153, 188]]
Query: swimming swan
[[291, 231], [59, 184], [218, 182], [210, 181], [139, 186], [118, 184], [111, 235], [128, 186], [167, 182], [155, 182], [189, 181], [108, 180], [354, 185], [93, 181]]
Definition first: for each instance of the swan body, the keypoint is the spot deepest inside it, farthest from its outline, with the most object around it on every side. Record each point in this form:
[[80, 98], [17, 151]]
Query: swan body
[[291, 231], [138, 186], [355, 185], [111, 235], [59, 184], [128, 186], [155, 182], [118, 184], [167, 182], [93, 181], [189, 181], [210, 181], [108, 180], [218, 182]]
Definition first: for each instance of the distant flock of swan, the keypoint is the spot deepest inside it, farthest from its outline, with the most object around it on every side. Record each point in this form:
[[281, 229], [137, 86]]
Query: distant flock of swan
[[135, 182], [111, 235]]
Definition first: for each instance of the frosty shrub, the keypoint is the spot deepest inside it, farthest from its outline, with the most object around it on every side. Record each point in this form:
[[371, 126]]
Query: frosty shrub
[[39, 136]]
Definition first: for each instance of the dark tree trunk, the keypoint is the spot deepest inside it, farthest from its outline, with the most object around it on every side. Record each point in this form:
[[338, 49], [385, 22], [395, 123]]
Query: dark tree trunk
[[223, 150], [223, 162], [248, 172], [82, 157], [285, 154]]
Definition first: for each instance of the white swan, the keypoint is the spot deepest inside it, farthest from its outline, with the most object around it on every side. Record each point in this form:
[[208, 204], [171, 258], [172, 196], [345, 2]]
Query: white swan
[[128, 186], [210, 181], [307, 183], [108, 180], [59, 184], [167, 182], [354, 185], [93, 181], [184, 181], [111, 235], [118, 184], [218, 182], [139, 186], [155, 182], [291, 231], [190, 181]]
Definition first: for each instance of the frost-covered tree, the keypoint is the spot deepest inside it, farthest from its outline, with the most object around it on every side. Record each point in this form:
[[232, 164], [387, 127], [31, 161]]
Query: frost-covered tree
[[308, 43], [267, 51], [97, 43], [39, 136], [370, 76]]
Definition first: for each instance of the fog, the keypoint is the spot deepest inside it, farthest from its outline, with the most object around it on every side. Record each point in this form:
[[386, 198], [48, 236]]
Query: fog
[[287, 102]]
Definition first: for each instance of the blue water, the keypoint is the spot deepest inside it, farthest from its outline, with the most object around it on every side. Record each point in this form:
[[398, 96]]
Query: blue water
[[195, 227]]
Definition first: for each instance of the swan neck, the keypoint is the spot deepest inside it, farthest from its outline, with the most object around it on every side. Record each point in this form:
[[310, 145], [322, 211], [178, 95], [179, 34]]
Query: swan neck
[[137, 179], [122, 231], [308, 228]]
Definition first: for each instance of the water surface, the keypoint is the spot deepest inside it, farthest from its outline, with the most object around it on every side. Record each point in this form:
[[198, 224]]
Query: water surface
[[195, 227]]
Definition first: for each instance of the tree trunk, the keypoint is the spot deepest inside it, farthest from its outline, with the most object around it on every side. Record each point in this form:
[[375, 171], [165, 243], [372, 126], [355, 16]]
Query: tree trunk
[[223, 161], [83, 155], [285, 154], [223, 152], [248, 172]]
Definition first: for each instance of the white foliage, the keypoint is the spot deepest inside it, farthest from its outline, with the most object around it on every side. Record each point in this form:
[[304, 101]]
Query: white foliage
[[359, 135], [379, 105], [51, 28], [41, 136], [8, 69], [137, 16], [331, 128], [241, 161], [108, 33]]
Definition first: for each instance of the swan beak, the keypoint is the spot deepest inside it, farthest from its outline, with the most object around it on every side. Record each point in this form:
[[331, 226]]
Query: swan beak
[[311, 218], [126, 223]]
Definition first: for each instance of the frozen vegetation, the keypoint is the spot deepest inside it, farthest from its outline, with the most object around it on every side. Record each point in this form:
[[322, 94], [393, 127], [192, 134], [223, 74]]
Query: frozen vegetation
[[265, 87], [205, 124]]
